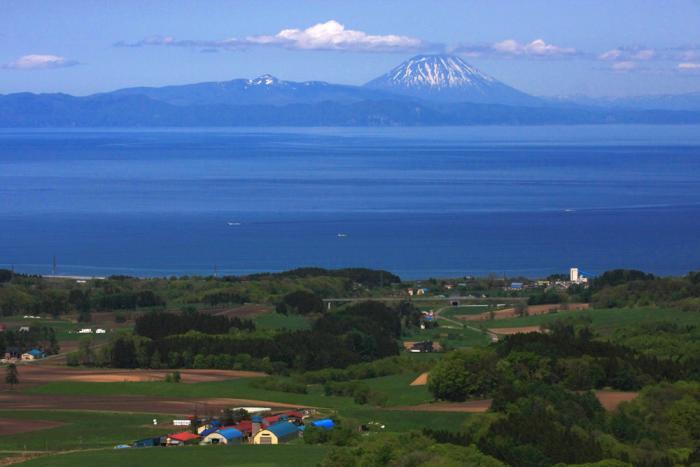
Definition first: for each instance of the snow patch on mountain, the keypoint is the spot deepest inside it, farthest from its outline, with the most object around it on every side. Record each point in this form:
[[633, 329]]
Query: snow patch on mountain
[[436, 71], [447, 78]]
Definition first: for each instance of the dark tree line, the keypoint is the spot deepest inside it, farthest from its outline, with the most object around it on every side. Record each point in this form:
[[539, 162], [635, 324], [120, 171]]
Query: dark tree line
[[366, 277], [359, 333], [157, 325], [300, 302]]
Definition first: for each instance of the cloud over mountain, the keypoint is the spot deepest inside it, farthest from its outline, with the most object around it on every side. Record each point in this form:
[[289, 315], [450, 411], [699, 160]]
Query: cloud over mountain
[[330, 35], [38, 62], [511, 48]]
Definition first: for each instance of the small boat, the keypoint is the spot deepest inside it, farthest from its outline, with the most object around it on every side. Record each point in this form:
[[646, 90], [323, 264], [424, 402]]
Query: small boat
[[342, 235], [233, 223]]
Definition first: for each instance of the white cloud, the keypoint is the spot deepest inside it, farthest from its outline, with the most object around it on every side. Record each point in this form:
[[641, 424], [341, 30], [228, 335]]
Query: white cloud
[[330, 35], [689, 66], [511, 48], [623, 66], [538, 48], [626, 54], [39, 61]]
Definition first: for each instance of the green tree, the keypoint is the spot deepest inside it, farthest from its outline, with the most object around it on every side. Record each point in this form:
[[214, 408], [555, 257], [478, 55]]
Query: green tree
[[465, 373], [86, 353], [12, 375]]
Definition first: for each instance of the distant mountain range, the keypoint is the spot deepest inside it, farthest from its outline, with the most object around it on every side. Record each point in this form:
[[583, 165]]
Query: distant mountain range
[[425, 90]]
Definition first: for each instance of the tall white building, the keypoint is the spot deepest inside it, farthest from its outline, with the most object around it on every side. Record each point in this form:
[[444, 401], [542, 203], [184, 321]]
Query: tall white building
[[574, 275]]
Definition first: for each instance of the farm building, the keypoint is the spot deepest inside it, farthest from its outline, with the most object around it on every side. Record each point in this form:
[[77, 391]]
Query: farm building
[[224, 436], [33, 354], [277, 434], [212, 426], [185, 437], [419, 347], [326, 423], [148, 442], [254, 410]]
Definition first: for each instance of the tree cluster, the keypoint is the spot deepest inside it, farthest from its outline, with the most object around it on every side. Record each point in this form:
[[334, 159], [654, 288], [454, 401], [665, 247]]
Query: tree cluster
[[358, 333], [157, 325]]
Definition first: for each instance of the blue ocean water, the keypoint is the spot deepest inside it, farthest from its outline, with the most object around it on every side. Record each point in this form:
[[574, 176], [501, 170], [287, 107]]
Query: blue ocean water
[[422, 202]]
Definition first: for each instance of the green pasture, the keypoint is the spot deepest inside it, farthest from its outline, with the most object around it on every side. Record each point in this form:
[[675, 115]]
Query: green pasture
[[274, 320], [603, 321], [246, 455], [80, 430]]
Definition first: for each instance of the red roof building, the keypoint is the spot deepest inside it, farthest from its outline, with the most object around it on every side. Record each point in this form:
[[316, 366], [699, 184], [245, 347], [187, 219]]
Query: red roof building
[[183, 437]]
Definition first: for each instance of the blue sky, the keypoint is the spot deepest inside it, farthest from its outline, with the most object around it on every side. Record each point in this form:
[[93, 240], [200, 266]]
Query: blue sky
[[591, 47]]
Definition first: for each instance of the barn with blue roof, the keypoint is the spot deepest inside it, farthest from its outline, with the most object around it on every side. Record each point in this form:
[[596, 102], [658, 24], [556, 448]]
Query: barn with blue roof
[[277, 434], [224, 436]]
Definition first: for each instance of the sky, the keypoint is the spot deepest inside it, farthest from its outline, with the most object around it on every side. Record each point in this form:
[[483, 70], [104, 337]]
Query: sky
[[549, 48]]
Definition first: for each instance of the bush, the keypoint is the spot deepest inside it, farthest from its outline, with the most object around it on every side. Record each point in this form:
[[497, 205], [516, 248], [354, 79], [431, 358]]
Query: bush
[[73, 359]]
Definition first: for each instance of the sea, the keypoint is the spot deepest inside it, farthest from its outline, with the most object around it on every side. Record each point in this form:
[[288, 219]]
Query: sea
[[420, 202]]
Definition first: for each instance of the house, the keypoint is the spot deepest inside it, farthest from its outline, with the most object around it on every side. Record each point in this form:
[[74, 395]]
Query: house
[[419, 347], [12, 352], [182, 438], [410, 292], [516, 285], [3, 327], [34, 354], [226, 435], [277, 434]]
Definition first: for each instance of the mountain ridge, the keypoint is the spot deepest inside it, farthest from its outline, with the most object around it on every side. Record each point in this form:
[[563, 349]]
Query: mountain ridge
[[424, 90]]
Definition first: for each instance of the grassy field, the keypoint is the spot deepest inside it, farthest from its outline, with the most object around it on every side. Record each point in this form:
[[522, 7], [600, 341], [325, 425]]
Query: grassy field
[[404, 420], [274, 320], [396, 387], [236, 388], [465, 310], [80, 430], [258, 456], [604, 321], [399, 390], [451, 335]]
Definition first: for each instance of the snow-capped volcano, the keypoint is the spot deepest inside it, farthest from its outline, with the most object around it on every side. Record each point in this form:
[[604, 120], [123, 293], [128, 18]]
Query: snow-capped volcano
[[447, 78], [264, 80]]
